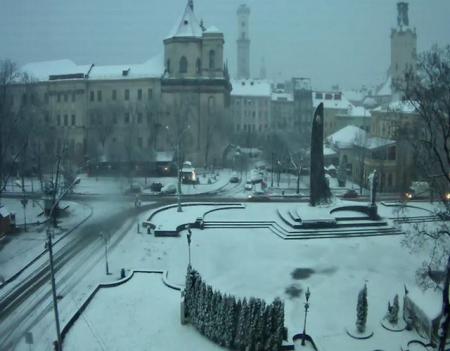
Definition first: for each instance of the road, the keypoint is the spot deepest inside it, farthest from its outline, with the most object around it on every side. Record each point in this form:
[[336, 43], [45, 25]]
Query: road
[[24, 304]]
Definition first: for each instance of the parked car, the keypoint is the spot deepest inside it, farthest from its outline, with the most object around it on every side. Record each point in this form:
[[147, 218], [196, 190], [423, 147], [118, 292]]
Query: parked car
[[169, 189], [248, 185], [350, 194], [156, 187]]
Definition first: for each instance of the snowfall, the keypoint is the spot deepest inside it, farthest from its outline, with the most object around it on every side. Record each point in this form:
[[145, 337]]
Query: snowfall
[[143, 313]]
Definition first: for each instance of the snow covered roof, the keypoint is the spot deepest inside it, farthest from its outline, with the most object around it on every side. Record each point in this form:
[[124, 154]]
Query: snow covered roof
[[354, 95], [331, 100], [67, 69], [386, 88], [251, 88], [4, 212], [41, 71], [282, 97], [187, 26], [328, 151], [398, 106], [348, 137], [356, 111], [164, 156], [377, 142], [213, 30]]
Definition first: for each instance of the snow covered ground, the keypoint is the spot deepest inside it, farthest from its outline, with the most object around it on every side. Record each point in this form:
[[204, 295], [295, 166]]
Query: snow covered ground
[[253, 262], [16, 250]]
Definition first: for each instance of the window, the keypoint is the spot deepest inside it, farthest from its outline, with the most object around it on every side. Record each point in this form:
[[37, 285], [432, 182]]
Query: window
[[391, 153], [198, 66], [139, 118], [319, 96], [99, 95], [127, 118], [66, 97], [74, 120], [139, 94], [66, 120], [183, 64], [140, 142], [168, 66], [114, 95], [127, 94], [149, 117], [58, 120], [150, 93], [73, 97], [46, 98], [212, 59], [99, 119], [91, 96]]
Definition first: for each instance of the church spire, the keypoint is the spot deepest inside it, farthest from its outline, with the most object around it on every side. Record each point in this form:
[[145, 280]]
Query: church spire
[[191, 4]]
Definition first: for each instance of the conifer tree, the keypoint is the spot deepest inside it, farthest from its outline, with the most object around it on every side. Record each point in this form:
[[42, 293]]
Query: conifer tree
[[392, 315], [241, 326], [361, 310], [269, 336]]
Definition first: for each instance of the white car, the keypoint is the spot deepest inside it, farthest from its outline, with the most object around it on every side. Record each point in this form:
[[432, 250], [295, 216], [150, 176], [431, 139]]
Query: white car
[[170, 188], [248, 185]]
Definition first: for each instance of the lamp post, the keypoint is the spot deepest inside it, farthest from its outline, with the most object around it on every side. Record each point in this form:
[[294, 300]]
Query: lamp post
[[189, 238], [307, 295], [106, 239]]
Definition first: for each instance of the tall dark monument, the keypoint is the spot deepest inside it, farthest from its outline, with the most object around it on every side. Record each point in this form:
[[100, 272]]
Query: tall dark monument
[[319, 190]]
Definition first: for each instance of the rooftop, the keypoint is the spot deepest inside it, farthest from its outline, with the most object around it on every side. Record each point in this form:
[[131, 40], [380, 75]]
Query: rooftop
[[251, 87], [187, 26]]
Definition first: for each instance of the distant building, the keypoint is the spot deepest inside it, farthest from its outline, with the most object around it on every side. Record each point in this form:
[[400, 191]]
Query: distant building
[[243, 43], [125, 114]]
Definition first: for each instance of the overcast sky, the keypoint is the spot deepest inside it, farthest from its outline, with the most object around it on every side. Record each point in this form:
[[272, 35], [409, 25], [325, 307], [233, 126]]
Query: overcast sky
[[343, 42]]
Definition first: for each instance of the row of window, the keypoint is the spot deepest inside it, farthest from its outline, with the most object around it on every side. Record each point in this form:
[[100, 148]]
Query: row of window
[[98, 95], [139, 142], [251, 102], [251, 127], [65, 120], [97, 118], [184, 64]]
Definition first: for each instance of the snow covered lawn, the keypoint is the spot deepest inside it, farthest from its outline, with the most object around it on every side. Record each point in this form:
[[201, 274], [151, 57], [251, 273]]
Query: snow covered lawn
[[142, 314]]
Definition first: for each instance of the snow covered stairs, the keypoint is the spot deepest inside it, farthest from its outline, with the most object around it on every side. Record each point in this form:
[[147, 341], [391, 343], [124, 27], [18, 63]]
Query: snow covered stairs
[[285, 232]]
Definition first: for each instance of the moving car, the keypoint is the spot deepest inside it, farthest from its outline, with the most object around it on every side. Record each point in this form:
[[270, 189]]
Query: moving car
[[248, 185], [234, 178], [156, 187], [350, 194]]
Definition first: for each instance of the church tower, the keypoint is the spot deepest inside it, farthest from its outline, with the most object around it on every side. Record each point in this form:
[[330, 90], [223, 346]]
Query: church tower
[[403, 47], [243, 43]]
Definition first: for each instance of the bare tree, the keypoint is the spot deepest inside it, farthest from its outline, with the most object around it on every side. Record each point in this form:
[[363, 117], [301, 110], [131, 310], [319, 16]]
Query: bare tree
[[428, 90]]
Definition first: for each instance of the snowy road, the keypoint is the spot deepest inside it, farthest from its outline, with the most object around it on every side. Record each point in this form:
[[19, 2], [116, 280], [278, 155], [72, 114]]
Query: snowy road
[[27, 306]]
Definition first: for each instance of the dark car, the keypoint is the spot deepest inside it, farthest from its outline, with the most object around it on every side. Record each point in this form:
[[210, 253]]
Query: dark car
[[234, 179], [350, 194], [156, 187]]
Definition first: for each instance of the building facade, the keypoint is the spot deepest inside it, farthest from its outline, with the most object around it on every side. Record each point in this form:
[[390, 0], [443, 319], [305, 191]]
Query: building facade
[[178, 101]]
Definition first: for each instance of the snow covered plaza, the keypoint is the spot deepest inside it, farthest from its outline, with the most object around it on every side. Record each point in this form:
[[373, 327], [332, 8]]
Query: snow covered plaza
[[255, 262]]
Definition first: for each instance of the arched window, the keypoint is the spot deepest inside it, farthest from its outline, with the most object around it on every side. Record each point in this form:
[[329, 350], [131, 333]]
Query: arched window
[[183, 64], [212, 59], [198, 66], [168, 65]]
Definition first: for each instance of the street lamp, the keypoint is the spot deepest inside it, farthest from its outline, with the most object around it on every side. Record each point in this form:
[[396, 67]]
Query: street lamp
[[179, 138], [189, 238], [105, 239], [307, 295]]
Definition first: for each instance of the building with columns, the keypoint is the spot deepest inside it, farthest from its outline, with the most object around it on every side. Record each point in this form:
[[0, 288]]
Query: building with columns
[[126, 114]]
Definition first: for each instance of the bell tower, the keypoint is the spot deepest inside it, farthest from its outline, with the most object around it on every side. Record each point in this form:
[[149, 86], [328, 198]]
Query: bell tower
[[243, 43], [403, 47]]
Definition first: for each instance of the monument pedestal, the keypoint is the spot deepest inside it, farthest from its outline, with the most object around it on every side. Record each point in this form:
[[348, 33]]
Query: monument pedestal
[[373, 212]]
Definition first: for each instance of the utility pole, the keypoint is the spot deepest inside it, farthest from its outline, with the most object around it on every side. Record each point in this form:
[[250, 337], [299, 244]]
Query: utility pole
[[55, 302]]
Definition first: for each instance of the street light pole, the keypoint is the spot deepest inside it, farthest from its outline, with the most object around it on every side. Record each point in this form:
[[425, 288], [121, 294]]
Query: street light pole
[[179, 209], [307, 294], [105, 238], [189, 238], [55, 303]]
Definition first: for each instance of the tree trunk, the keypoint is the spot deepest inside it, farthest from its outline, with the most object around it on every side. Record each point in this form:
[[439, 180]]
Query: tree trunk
[[445, 318]]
